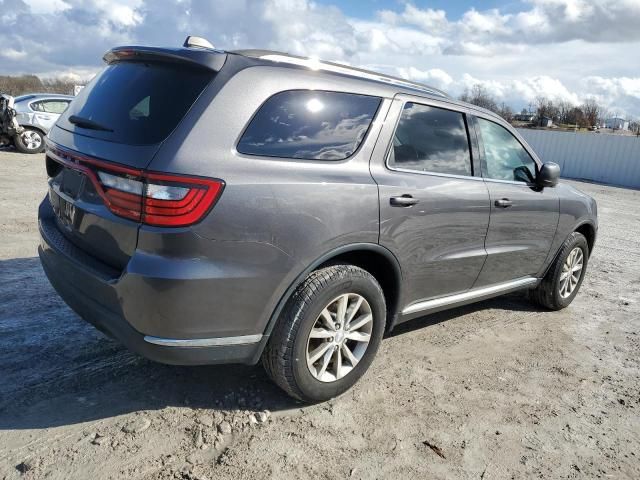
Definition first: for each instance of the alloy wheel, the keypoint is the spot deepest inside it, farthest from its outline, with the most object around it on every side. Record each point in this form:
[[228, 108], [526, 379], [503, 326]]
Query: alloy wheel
[[31, 140], [571, 271], [339, 337]]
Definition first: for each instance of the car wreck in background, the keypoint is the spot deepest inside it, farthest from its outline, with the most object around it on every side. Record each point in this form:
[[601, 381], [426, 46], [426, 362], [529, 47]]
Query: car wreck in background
[[25, 120]]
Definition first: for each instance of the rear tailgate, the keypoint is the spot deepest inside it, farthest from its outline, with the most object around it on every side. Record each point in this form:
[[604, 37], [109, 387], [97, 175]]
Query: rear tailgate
[[99, 150]]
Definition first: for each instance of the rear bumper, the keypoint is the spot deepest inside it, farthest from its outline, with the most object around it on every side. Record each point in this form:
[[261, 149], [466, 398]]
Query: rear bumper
[[98, 296], [118, 328]]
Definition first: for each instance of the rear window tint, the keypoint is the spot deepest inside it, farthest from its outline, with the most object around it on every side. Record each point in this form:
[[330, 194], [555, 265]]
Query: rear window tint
[[431, 139], [312, 125], [142, 103]]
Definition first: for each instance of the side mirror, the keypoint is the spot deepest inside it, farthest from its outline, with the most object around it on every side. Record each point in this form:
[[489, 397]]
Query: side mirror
[[548, 175]]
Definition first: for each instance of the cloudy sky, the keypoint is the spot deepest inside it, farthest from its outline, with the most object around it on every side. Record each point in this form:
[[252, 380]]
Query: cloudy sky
[[518, 49]]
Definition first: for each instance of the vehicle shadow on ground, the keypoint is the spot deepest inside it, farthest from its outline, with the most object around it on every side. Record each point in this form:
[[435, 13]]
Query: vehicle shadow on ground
[[58, 370]]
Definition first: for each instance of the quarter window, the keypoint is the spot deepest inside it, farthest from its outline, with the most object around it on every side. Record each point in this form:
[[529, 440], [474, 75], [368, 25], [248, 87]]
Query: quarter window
[[50, 106], [430, 139], [505, 157], [312, 125], [55, 106]]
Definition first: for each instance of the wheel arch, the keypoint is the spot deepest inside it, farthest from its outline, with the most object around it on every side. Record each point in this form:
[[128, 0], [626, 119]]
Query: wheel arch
[[586, 228], [384, 267], [589, 231], [29, 126], [374, 258]]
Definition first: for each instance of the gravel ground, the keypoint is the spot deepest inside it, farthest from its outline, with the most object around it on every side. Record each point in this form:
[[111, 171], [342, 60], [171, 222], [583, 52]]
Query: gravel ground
[[500, 389]]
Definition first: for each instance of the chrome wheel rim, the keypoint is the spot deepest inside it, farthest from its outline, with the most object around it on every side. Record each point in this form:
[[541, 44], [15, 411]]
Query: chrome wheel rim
[[31, 139], [339, 337], [571, 271]]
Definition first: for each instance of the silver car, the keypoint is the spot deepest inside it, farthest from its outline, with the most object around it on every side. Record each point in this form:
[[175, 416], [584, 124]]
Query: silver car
[[36, 113]]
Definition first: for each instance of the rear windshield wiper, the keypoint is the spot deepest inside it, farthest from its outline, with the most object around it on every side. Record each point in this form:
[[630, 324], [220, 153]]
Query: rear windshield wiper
[[89, 124]]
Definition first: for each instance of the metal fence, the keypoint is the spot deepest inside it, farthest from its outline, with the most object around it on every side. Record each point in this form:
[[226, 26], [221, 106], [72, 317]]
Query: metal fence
[[612, 159]]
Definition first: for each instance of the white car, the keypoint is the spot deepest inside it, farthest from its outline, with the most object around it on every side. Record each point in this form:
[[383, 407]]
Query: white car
[[35, 114]]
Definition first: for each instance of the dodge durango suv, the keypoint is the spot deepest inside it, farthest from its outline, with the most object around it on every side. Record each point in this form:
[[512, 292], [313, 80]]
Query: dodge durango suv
[[211, 206]]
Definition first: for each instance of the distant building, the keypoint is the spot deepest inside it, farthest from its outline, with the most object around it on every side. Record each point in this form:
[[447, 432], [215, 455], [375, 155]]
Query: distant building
[[616, 123], [524, 117], [545, 122]]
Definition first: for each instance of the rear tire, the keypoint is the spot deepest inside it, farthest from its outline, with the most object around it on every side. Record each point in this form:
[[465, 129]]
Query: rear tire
[[29, 141], [563, 280], [327, 315]]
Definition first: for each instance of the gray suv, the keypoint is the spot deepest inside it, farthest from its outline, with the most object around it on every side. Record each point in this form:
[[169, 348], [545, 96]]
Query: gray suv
[[211, 207]]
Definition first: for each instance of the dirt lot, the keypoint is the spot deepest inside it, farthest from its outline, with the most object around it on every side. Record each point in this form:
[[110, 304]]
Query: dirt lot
[[496, 390]]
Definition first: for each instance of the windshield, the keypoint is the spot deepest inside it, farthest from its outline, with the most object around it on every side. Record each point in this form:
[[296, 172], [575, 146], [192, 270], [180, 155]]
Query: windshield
[[136, 103]]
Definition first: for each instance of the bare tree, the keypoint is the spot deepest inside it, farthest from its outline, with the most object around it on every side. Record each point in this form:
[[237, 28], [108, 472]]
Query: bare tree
[[480, 96], [505, 112], [32, 84], [592, 111], [58, 85], [566, 113], [546, 108]]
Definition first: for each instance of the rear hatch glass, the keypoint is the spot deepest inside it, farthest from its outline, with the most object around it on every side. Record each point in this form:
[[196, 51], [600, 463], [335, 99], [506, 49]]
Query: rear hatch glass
[[119, 119], [136, 103]]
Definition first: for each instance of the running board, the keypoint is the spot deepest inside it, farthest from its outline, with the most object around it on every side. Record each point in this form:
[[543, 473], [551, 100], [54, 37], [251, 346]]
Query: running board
[[442, 303]]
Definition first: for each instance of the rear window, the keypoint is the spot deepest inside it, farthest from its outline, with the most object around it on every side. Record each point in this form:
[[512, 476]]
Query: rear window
[[312, 125], [138, 103], [431, 139]]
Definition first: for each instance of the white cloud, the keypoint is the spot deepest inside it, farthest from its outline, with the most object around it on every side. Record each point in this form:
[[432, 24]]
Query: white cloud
[[567, 49], [489, 23], [12, 54], [39, 7], [429, 20], [525, 90], [436, 77], [621, 95]]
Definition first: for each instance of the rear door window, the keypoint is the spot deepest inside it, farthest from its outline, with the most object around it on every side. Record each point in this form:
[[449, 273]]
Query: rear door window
[[37, 106], [137, 103], [311, 125], [431, 139]]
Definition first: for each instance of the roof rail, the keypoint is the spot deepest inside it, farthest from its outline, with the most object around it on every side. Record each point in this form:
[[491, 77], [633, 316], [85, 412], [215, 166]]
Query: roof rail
[[315, 64]]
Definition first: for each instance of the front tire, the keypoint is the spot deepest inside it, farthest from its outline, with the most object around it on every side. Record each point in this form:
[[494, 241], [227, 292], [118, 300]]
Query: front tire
[[327, 334], [563, 280], [29, 141]]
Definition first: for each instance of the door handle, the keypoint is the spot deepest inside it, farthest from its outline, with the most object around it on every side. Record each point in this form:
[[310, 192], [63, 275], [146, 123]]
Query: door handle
[[503, 203], [403, 201]]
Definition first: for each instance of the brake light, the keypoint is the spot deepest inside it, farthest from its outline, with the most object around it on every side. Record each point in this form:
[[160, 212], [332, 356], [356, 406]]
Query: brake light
[[152, 198], [173, 201]]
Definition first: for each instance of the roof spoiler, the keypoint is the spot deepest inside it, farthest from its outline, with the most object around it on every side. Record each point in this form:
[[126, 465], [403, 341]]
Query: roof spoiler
[[202, 57]]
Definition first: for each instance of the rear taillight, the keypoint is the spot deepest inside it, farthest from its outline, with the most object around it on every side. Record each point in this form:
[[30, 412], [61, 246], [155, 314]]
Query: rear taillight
[[158, 198], [152, 198], [174, 201]]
